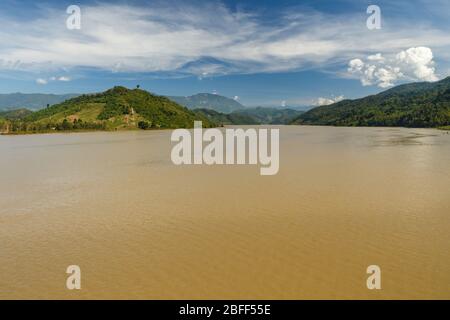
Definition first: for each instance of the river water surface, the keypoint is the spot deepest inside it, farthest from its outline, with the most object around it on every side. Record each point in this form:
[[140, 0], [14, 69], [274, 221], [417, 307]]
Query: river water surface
[[140, 227]]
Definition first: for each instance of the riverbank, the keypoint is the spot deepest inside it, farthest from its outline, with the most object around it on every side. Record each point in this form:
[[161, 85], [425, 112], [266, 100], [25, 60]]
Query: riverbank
[[125, 129]]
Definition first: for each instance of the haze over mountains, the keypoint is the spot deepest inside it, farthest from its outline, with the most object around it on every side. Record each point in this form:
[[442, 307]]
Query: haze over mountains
[[255, 116], [208, 101], [32, 101]]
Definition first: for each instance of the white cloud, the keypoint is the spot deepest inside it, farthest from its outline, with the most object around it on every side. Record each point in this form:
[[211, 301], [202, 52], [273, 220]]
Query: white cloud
[[327, 101], [419, 61], [376, 57], [53, 78], [205, 39], [412, 64], [236, 98], [41, 81]]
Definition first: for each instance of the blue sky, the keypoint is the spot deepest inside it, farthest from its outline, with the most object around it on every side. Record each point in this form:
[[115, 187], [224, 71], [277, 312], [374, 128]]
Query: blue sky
[[260, 52]]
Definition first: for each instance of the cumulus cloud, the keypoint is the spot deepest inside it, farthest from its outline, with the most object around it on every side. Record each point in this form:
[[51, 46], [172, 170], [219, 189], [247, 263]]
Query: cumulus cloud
[[412, 64], [327, 101], [419, 61]]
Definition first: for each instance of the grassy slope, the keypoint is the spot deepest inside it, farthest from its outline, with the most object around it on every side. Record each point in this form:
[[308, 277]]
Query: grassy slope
[[118, 108]]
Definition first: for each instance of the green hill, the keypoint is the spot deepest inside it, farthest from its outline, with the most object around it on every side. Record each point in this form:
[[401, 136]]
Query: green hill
[[116, 109], [209, 101], [421, 104]]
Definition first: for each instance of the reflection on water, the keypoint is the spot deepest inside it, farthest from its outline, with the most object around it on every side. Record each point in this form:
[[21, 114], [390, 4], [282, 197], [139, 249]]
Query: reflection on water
[[409, 138], [140, 227]]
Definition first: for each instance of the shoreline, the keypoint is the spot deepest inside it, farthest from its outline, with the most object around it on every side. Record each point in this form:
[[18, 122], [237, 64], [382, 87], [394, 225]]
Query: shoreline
[[22, 133]]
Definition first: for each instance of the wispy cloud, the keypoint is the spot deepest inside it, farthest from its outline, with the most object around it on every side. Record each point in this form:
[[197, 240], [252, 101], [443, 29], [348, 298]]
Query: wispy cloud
[[203, 39], [46, 81]]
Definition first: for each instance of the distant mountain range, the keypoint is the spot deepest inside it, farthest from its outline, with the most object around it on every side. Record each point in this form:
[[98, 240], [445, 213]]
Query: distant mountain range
[[225, 111], [33, 101], [251, 116], [208, 101], [423, 104], [263, 115]]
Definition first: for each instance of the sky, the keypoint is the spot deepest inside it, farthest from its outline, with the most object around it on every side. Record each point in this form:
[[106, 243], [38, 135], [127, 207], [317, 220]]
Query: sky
[[259, 52]]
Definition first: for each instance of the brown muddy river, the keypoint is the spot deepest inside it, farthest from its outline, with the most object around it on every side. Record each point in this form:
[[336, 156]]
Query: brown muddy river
[[140, 227]]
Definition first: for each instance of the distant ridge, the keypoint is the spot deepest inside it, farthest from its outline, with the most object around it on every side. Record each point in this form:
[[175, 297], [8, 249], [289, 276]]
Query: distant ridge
[[422, 104], [251, 116], [33, 101], [208, 101]]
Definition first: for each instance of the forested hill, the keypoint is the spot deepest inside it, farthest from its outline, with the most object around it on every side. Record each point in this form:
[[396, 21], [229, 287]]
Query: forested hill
[[421, 104], [115, 109]]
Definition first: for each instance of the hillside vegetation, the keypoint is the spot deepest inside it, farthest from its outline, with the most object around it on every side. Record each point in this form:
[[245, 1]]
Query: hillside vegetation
[[422, 104], [116, 109], [15, 114]]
